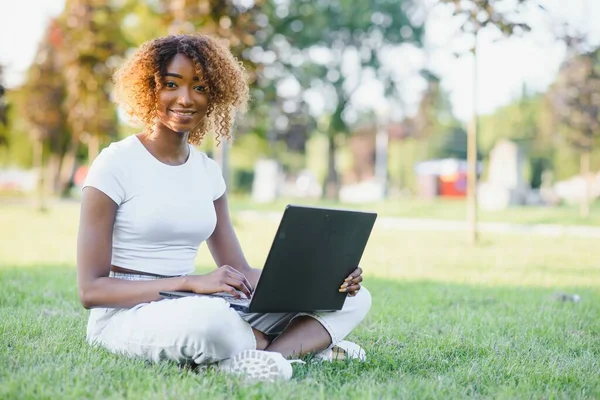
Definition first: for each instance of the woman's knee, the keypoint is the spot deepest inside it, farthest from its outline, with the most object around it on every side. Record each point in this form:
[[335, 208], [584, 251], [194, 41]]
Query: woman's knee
[[206, 317], [361, 303], [211, 326]]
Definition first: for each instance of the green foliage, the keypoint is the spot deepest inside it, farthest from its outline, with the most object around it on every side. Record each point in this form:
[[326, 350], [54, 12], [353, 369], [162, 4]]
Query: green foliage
[[402, 157], [576, 101], [17, 150], [339, 28], [567, 162], [529, 123], [451, 143], [478, 14], [89, 40], [3, 112], [42, 96], [518, 122], [245, 152], [343, 33]]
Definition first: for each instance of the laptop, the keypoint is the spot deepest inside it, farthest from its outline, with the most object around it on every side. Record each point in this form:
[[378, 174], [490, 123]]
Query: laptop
[[313, 251]]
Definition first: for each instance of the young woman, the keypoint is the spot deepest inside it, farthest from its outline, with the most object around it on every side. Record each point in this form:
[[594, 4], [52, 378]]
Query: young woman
[[151, 199]]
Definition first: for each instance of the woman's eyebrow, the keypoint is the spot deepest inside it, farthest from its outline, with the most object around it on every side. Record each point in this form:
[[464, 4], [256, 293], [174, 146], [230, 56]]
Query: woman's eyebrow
[[179, 76]]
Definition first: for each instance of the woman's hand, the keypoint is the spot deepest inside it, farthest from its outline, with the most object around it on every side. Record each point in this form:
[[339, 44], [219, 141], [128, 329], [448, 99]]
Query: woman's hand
[[223, 279], [253, 275], [351, 284]]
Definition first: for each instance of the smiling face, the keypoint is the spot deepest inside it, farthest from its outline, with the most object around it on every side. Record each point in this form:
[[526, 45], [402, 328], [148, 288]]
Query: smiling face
[[182, 102]]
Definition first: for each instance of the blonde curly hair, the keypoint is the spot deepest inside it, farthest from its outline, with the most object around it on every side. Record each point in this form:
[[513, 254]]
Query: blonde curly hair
[[141, 77]]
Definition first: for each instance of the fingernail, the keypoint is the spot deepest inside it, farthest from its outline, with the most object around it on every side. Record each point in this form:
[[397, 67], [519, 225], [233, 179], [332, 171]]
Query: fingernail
[[342, 290], [344, 285], [348, 279]]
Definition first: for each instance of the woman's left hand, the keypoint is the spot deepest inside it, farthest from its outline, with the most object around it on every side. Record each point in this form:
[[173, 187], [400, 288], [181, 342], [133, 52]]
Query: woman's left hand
[[351, 284]]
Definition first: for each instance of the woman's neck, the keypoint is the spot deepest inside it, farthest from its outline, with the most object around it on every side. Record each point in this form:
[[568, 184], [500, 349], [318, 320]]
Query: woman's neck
[[167, 146]]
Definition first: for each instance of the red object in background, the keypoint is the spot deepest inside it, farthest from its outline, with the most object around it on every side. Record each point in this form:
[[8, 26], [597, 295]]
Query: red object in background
[[80, 175], [453, 185]]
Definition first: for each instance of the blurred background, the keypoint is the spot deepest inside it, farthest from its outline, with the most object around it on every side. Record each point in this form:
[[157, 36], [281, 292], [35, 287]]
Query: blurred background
[[458, 121], [475, 109]]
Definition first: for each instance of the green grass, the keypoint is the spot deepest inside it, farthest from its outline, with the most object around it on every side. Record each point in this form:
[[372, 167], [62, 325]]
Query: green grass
[[446, 209], [448, 321]]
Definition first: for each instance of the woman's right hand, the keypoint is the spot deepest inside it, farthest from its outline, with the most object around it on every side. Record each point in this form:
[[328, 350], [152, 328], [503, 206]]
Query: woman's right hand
[[223, 279]]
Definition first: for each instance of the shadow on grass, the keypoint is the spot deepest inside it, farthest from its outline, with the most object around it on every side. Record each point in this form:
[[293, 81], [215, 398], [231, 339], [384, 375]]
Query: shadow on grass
[[424, 339]]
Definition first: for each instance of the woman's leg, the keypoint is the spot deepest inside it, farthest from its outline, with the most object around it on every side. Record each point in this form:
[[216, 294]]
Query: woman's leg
[[198, 330], [303, 335], [310, 333]]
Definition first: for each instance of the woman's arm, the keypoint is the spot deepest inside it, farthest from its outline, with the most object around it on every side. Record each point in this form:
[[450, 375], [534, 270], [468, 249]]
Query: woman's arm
[[224, 245], [94, 250]]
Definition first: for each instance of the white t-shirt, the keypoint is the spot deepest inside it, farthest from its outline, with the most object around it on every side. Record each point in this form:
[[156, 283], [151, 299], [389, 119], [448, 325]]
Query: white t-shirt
[[164, 211]]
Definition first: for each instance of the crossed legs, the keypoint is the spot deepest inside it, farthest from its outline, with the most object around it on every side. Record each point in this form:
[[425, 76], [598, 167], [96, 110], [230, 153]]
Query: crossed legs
[[302, 336], [204, 330]]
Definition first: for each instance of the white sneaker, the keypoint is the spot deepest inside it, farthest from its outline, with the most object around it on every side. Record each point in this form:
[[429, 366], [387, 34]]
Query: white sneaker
[[258, 365], [343, 350]]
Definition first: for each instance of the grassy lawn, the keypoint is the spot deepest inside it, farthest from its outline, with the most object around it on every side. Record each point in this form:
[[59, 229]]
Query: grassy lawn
[[447, 209], [448, 321]]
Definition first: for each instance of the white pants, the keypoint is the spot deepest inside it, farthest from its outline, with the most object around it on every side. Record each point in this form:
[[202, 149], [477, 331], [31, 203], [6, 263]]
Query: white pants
[[202, 330]]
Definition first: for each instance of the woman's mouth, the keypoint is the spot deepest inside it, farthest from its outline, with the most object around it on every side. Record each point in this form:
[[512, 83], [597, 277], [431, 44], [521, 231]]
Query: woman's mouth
[[183, 114]]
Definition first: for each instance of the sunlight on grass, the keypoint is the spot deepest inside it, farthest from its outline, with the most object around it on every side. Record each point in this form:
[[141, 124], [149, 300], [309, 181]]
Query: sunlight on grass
[[448, 321], [50, 239], [444, 209]]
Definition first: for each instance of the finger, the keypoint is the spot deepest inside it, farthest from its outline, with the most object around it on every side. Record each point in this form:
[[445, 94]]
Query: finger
[[237, 273], [231, 290], [355, 273], [355, 281], [239, 284], [350, 288], [246, 287]]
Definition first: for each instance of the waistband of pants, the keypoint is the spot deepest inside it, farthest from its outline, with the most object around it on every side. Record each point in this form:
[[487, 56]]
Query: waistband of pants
[[134, 277]]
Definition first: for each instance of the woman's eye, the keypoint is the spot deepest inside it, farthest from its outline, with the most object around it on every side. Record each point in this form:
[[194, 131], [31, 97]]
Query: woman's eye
[[171, 84], [200, 88]]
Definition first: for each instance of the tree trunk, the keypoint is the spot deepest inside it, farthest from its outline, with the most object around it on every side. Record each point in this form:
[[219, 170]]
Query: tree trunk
[[472, 159], [52, 174], [584, 206], [332, 187], [93, 147], [67, 166], [38, 166]]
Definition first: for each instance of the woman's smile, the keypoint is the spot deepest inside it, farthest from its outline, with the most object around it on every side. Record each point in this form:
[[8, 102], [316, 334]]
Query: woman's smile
[[183, 115]]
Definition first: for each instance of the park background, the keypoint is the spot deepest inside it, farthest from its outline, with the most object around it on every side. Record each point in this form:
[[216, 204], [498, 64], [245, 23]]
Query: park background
[[482, 287]]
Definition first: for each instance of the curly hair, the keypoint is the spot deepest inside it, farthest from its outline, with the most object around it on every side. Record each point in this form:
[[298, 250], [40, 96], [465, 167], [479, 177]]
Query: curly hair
[[141, 77]]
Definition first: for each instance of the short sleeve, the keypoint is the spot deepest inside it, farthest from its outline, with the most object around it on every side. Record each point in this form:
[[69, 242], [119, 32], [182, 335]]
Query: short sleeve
[[104, 175], [216, 177]]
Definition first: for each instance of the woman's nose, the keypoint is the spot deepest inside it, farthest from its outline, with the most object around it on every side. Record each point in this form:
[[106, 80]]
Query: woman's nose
[[184, 98]]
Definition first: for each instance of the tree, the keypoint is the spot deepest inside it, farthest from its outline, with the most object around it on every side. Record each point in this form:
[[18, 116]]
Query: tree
[[3, 113], [528, 122], [576, 100], [88, 40], [41, 101], [435, 125], [312, 46], [477, 15]]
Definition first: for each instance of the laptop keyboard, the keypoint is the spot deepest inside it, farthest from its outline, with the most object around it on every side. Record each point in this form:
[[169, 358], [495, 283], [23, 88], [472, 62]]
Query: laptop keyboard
[[241, 302], [230, 299]]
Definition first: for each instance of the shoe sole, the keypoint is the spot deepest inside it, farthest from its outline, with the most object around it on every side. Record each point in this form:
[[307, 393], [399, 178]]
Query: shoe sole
[[256, 366]]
